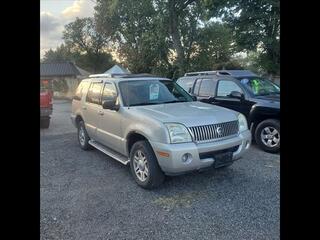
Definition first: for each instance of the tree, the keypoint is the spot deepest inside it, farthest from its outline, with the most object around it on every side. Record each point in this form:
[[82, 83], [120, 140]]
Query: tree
[[256, 27], [88, 44], [215, 47], [137, 32], [151, 34], [62, 53]]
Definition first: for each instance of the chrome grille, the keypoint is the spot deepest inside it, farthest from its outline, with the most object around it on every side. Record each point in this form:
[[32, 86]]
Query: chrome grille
[[214, 131]]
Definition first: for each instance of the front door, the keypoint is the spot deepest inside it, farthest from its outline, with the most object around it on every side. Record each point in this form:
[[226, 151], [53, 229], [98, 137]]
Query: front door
[[109, 130], [223, 98]]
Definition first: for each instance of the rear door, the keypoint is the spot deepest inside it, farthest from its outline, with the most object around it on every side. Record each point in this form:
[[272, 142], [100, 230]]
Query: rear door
[[109, 131], [92, 107], [206, 89]]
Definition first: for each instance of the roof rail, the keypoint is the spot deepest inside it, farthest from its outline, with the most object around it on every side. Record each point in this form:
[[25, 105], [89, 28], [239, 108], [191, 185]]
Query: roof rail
[[121, 75], [137, 75], [222, 72], [100, 75], [200, 73]]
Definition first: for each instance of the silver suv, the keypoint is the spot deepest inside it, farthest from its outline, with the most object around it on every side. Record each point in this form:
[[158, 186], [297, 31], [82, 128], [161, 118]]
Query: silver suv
[[155, 126]]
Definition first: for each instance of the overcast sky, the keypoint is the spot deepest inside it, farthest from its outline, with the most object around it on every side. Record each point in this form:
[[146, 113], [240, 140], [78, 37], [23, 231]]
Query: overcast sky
[[54, 14]]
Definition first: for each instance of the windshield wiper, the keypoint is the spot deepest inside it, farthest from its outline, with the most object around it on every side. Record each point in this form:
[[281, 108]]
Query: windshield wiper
[[175, 101], [144, 103]]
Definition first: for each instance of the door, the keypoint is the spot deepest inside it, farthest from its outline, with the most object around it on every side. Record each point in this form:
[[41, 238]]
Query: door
[[109, 131], [91, 109], [222, 97], [206, 89]]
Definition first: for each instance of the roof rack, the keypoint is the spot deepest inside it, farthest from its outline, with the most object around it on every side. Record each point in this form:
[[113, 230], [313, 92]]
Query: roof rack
[[100, 75], [137, 75], [121, 75], [200, 73], [223, 72]]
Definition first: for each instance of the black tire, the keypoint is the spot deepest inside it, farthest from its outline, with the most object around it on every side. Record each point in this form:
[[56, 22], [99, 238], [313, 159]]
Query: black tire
[[83, 139], [271, 124], [45, 123], [155, 175]]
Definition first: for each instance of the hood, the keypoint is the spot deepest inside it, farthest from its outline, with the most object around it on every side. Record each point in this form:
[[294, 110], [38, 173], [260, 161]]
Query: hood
[[187, 113], [272, 101], [275, 97]]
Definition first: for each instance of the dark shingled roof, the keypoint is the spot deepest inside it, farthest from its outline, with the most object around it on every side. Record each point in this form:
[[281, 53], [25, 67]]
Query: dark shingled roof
[[61, 69]]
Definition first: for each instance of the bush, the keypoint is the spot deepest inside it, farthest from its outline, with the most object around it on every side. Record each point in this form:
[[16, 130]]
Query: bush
[[60, 85]]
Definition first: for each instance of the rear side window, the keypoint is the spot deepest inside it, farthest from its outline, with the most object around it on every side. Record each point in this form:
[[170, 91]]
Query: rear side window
[[94, 93], [197, 87], [225, 87], [186, 84], [206, 88]]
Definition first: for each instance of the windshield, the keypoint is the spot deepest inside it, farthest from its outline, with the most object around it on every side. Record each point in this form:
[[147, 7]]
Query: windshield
[[148, 92], [259, 86]]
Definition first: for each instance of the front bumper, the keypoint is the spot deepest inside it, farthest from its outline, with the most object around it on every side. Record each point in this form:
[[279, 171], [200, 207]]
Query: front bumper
[[172, 164]]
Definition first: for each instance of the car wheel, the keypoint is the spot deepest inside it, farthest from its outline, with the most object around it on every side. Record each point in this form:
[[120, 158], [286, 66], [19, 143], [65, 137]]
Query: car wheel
[[83, 137], [144, 166], [45, 122], [267, 135]]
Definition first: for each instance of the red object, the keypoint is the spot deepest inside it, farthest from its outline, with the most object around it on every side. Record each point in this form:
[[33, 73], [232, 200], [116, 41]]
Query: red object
[[46, 99]]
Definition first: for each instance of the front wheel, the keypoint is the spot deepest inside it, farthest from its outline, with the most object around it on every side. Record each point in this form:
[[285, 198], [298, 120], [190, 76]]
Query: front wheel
[[144, 166], [267, 135]]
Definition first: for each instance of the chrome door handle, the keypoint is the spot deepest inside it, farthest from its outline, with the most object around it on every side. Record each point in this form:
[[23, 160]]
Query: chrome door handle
[[100, 112]]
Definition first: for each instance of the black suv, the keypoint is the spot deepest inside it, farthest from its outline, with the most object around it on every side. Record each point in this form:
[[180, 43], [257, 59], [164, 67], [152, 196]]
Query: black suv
[[241, 90]]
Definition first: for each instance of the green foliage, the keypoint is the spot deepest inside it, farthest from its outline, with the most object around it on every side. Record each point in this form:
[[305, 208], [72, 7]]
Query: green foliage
[[137, 32], [62, 53], [88, 45], [214, 48], [256, 27], [60, 85], [170, 37]]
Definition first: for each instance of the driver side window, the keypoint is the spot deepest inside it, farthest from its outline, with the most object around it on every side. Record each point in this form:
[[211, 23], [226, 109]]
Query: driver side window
[[225, 87], [109, 92]]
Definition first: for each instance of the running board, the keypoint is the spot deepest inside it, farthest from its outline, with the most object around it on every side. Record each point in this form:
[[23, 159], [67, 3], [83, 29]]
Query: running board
[[109, 152]]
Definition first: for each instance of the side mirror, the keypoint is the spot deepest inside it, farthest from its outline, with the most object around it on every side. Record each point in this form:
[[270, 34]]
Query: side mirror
[[236, 94], [194, 98], [111, 104]]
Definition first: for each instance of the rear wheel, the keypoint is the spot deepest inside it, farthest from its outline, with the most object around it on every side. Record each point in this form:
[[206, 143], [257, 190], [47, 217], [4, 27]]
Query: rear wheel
[[144, 166], [267, 135], [45, 123], [83, 136]]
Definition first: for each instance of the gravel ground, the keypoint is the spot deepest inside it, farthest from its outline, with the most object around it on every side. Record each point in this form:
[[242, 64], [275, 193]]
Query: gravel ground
[[60, 120], [87, 195]]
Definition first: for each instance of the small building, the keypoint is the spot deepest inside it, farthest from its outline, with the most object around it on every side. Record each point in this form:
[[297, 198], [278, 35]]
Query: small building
[[62, 77]]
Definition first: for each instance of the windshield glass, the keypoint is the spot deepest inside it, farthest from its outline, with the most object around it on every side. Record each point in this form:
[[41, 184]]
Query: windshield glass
[[148, 92], [259, 86]]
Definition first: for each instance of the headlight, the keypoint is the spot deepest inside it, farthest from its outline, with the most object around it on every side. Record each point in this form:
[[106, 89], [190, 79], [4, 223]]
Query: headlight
[[178, 133], [243, 125]]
